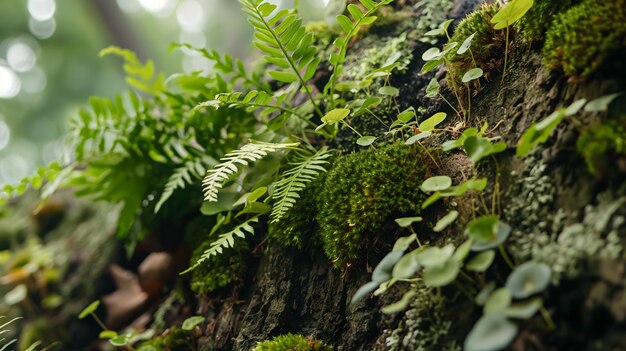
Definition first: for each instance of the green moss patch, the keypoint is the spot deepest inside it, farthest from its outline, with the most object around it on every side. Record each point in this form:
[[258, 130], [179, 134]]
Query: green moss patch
[[365, 191], [292, 342], [586, 37]]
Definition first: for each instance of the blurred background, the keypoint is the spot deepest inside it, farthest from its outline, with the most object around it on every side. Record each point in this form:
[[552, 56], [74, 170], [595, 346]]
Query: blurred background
[[49, 62]]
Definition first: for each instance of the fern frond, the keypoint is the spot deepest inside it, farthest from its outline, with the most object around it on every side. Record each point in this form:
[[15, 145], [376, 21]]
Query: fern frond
[[3, 330], [226, 240], [228, 65], [138, 75], [293, 181], [254, 101], [284, 40], [181, 177], [351, 29], [216, 177]]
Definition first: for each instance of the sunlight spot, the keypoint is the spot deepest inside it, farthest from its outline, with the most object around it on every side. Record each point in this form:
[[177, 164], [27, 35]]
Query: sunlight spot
[[5, 135], [42, 30], [21, 57], [190, 15], [9, 83], [42, 10]]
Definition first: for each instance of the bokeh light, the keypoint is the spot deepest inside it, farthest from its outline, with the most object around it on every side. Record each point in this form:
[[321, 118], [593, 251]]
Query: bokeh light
[[21, 57], [42, 10], [5, 135], [9, 83]]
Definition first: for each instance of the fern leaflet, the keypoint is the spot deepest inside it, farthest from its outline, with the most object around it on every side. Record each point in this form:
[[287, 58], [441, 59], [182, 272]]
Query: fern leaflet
[[284, 40], [181, 177], [351, 29], [294, 180], [225, 240], [253, 101], [216, 177]]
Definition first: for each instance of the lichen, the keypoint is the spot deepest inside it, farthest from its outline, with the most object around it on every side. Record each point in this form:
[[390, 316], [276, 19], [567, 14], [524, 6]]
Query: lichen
[[586, 37], [423, 327], [292, 342], [534, 24], [540, 235], [362, 63], [431, 14], [487, 48], [363, 192]]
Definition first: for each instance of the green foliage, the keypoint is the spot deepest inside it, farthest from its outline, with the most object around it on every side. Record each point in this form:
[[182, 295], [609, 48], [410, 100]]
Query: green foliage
[[534, 25], [251, 152], [304, 169], [138, 75], [298, 225], [363, 192], [586, 37], [292, 342], [176, 339], [283, 38], [600, 143], [487, 44], [351, 28], [191, 171], [218, 270]]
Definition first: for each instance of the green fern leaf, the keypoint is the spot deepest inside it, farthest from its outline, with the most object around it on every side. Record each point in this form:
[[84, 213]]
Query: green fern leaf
[[293, 181], [254, 101], [226, 240], [351, 29], [283, 38], [216, 177], [181, 177], [139, 76]]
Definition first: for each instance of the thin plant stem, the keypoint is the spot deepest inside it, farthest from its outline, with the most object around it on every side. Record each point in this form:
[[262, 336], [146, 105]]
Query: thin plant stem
[[469, 103], [506, 53], [506, 257], [449, 104], [546, 317]]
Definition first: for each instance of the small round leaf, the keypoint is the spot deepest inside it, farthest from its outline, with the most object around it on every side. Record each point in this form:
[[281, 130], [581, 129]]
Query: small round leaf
[[437, 183], [192, 322], [407, 221], [438, 276], [89, 309], [382, 272], [445, 221], [366, 140], [363, 291], [491, 333], [527, 279], [498, 301], [481, 262], [472, 74]]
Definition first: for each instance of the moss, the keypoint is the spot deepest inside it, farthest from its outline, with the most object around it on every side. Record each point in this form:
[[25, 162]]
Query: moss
[[173, 340], [586, 37], [292, 342], [487, 49], [539, 18], [600, 143], [298, 226], [220, 270], [365, 191], [423, 327]]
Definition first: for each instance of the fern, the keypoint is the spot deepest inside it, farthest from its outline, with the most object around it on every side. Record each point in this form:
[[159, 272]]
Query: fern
[[294, 180], [284, 40], [253, 101], [46, 178], [181, 177], [351, 29], [225, 240], [216, 177], [227, 65], [9, 342], [140, 76]]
